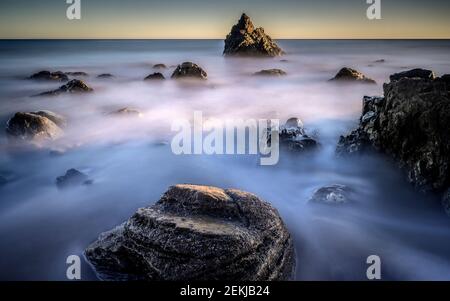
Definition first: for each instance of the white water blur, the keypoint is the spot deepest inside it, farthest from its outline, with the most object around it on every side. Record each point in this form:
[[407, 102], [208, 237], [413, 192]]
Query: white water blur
[[41, 225]]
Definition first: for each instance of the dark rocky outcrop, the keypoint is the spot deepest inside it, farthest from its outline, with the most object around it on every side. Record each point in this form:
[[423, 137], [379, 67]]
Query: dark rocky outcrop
[[159, 66], [270, 72], [34, 125], [352, 75], [414, 73], [77, 73], [74, 86], [411, 123], [189, 70], [197, 233], [334, 194], [72, 177], [126, 112], [293, 137], [155, 76], [47, 75], [246, 40], [105, 75]]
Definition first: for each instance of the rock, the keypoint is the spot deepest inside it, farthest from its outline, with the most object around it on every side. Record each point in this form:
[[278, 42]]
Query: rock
[[77, 73], [72, 177], [271, 72], [292, 136], [56, 118], [352, 75], [126, 112], [155, 76], [189, 70], [47, 75], [446, 202], [74, 86], [105, 75], [245, 40], [380, 61], [414, 73], [159, 66], [197, 233], [411, 123], [30, 126], [335, 194]]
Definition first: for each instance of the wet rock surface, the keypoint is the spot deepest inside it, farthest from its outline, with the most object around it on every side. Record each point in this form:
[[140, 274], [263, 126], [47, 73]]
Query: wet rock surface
[[246, 40], [270, 72], [293, 137], [34, 125], [73, 86], [335, 194], [189, 70], [351, 75], [197, 233], [411, 123], [72, 177], [52, 76], [155, 76], [159, 66]]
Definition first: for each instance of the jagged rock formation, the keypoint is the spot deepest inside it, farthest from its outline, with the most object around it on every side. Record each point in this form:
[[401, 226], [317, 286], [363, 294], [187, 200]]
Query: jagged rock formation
[[189, 70], [270, 72], [77, 73], [47, 75], [352, 75], [246, 40], [74, 86], [411, 123], [35, 125], [197, 233]]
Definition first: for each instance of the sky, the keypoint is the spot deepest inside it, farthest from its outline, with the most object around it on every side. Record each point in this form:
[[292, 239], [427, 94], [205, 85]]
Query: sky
[[211, 19]]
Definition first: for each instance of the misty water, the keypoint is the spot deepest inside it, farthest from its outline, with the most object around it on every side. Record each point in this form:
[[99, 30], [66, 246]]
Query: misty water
[[131, 166]]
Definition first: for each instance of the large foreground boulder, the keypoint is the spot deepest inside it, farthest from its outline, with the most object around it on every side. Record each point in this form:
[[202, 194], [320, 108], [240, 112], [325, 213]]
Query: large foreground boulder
[[35, 125], [197, 233], [411, 123], [246, 40], [189, 70]]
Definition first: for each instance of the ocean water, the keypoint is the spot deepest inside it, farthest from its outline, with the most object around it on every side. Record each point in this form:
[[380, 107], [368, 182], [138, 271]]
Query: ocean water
[[41, 225]]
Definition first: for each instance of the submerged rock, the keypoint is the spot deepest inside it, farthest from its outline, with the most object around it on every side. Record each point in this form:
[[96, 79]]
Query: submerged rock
[[105, 75], [126, 112], [270, 72], [244, 39], [414, 73], [72, 177], [189, 70], [34, 125], [47, 75], [293, 137], [197, 233], [411, 123], [159, 66], [77, 73], [74, 86], [334, 194], [155, 76], [352, 75]]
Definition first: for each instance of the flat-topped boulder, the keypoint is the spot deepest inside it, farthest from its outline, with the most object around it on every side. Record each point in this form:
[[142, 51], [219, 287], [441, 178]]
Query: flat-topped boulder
[[34, 125], [73, 86], [246, 40], [189, 70], [126, 112], [197, 233], [414, 73], [270, 72], [51, 76], [105, 75], [351, 75]]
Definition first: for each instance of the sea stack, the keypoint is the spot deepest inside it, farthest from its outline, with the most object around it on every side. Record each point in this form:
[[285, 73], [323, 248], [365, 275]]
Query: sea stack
[[246, 40]]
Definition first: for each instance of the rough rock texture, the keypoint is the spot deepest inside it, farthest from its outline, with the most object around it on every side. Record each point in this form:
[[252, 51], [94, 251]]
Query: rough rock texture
[[352, 75], [155, 76], [197, 233], [74, 86], [47, 75], [72, 177], [246, 40], [412, 125], [159, 66], [414, 73], [270, 72], [105, 75], [335, 194], [34, 125], [189, 70], [292, 136], [56, 118]]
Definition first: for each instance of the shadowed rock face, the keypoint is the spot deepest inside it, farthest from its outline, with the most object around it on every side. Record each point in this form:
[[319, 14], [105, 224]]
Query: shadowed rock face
[[245, 40], [411, 123], [197, 233], [74, 86], [47, 75], [35, 125], [189, 70], [293, 137], [352, 75]]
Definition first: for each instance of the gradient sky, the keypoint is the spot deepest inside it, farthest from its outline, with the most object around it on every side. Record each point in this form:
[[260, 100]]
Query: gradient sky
[[213, 19]]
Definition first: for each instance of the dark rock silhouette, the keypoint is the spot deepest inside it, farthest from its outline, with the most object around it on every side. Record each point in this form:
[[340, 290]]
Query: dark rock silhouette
[[159, 66], [352, 75], [189, 70], [77, 73], [197, 233], [155, 76], [270, 72], [73, 86], [72, 177], [47, 75], [411, 123], [105, 75], [126, 112], [414, 73], [246, 40]]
